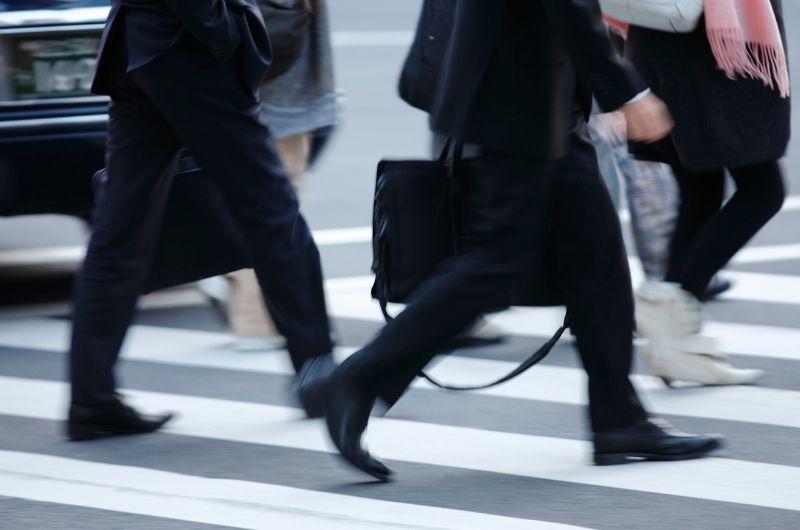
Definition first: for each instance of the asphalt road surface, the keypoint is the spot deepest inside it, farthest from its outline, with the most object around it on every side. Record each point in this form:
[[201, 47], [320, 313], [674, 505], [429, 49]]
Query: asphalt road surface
[[514, 457]]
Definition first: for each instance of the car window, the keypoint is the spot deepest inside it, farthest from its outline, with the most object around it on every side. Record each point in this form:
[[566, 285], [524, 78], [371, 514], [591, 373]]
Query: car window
[[22, 5]]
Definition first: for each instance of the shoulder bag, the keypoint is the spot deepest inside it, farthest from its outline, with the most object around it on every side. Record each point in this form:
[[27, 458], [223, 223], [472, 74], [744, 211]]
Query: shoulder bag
[[677, 16]]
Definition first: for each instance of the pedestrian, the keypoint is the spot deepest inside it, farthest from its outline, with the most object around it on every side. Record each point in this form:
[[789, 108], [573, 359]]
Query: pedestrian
[[650, 192], [295, 106], [727, 85], [510, 85], [184, 76]]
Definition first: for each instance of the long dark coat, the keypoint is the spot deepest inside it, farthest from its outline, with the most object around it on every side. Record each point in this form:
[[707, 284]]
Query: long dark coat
[[719, 122]]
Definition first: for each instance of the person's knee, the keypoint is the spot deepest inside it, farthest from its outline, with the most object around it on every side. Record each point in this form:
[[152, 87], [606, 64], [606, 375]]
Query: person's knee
[[775, 193], [764, 183]]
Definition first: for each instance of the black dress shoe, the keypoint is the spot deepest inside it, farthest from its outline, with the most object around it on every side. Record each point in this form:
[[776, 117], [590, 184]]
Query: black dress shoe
[[715, 288], [347, 414], [112, 419], [311, 385], [651, 439]]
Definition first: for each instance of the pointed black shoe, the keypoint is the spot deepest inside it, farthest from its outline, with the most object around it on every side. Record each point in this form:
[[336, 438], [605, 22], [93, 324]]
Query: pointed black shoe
[[651, 439], [113, 419], [347, 414]]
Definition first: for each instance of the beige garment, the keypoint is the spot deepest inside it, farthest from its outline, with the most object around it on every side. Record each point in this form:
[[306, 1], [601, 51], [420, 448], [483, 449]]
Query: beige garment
[[295, 152], [247, 314]]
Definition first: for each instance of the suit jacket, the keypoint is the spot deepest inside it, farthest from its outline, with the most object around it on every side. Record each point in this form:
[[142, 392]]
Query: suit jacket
[[420, 73], [518, 73], [151, 27]]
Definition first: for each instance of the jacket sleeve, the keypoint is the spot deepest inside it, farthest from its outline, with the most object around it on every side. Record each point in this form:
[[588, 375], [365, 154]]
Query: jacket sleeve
[[210, 22], [580, 26]]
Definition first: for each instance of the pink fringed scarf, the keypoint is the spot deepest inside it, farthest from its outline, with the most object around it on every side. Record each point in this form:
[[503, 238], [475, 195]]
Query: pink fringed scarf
[[746, 41]]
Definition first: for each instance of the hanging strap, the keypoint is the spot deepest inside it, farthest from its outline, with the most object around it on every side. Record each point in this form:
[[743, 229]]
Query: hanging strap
[[534, 359], [445, 153], [526, 365]]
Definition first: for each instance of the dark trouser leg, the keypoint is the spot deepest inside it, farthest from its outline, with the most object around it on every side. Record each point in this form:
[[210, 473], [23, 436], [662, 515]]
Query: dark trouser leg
[[509, 200], [216, 117], [593, 269], [759, 196], [702, 194], [140, 161]]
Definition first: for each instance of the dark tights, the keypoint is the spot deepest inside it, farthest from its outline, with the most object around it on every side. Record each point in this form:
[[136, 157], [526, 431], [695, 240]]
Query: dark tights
[[707, 237]]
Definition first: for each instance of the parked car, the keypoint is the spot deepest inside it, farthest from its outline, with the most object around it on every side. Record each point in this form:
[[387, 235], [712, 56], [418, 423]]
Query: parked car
[[52, 129]]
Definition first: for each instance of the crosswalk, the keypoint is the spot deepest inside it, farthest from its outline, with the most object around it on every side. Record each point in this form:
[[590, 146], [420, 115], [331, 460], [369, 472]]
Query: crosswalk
[[241, 455]]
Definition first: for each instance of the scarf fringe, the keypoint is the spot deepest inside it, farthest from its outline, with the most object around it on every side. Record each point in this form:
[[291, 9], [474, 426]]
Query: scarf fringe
[[755, 60]]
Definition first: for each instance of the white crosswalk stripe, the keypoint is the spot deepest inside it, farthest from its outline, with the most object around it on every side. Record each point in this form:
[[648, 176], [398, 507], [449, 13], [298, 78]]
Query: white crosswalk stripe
[[246, 504]]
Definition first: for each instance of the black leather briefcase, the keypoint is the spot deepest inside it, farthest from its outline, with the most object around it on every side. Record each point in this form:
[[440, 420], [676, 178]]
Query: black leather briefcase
[[417, 213], [414, 224]]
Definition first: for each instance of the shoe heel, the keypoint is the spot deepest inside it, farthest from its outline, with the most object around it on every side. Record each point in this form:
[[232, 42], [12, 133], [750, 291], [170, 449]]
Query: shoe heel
[[610, 459], [669, 383], [77, 432]]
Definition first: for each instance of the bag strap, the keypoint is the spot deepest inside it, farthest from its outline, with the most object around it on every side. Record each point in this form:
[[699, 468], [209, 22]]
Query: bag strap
[[535, 358], [445, 153]]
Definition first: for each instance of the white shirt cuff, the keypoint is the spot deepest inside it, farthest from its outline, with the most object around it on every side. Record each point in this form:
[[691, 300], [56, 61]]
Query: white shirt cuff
[[640, 96]]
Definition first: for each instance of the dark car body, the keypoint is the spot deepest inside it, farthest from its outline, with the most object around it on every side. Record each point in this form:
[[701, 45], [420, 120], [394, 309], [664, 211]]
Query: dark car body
[[52, 129]]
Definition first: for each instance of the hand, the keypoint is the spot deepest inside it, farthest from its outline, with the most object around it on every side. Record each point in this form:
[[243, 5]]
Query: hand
[[648, 119]]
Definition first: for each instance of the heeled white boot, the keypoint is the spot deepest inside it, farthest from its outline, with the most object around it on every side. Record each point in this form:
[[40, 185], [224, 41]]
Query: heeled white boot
[[672, 363], [671, 319], [664, 311]]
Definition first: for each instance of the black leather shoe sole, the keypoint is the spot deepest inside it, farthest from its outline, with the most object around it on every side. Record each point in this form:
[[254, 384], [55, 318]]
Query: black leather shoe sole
[[716, 288], [615, 459], [81, 432], [369, 465]]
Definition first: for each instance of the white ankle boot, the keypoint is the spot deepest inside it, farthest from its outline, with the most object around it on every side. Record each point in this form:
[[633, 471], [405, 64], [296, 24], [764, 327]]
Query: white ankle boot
[[665, 311], [674, 364], [671, 319]]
